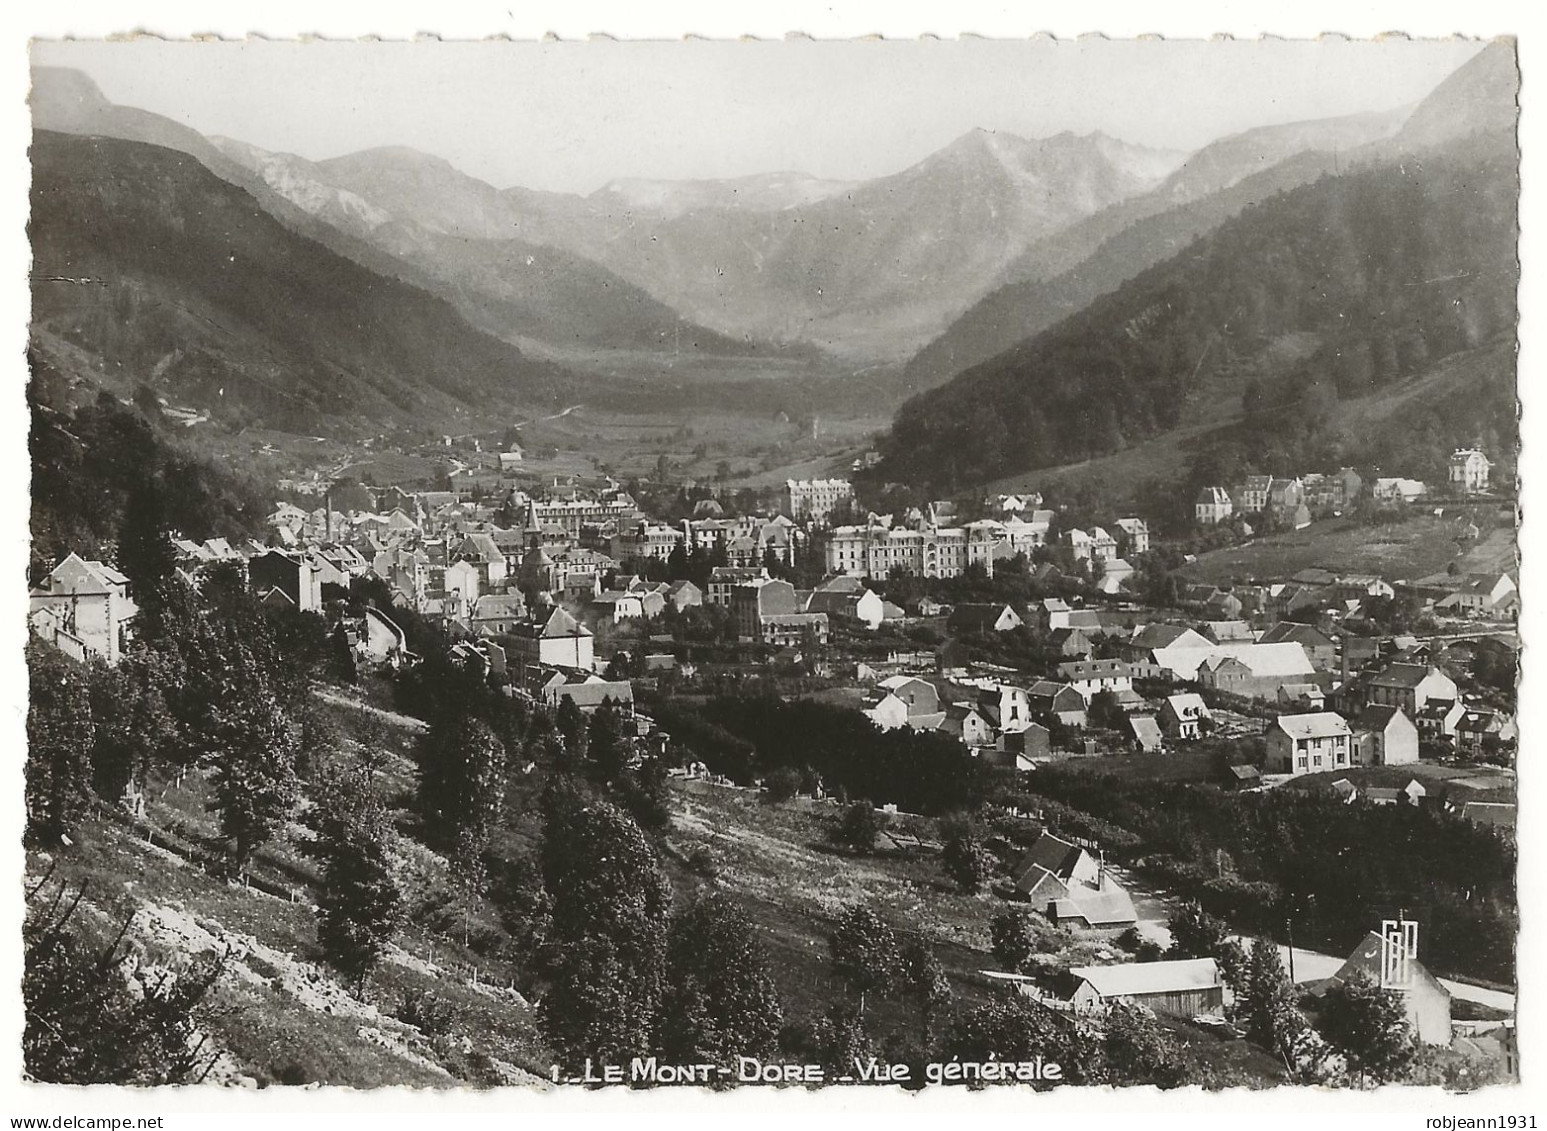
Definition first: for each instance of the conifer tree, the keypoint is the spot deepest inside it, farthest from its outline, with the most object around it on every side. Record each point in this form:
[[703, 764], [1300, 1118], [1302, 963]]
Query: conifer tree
[[145, 553]]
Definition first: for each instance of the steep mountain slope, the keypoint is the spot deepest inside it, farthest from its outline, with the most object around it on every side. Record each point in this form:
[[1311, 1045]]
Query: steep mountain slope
[[1058, 275], [870, 273], [1341, 286], [145, 259], [448, 226], [1481, 96], [68, 101]]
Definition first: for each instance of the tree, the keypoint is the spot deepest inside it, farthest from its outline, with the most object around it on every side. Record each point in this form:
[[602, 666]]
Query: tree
[[90, 1019], [462, 786], [1013, 939], [145, 552], [865, 953], [607, 746], [840, 1039], [608, 930], [360, 906], [782, 784], [721, 1000], [59, 743], [1368, 1025], [134, 729], [1195, 933], [922, 978], [255, 778], [1013, 1028], [1272, 1018], [964, 858], [342, 656], [859, 827], [1137, 1050], [572, 728], [1106, 711]]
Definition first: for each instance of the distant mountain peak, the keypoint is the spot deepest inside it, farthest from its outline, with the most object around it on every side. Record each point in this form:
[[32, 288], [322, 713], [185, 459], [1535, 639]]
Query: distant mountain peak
[[1480, 96], [63, 94]]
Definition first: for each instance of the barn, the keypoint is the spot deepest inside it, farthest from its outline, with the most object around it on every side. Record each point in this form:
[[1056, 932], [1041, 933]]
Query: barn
[[1185, 986]]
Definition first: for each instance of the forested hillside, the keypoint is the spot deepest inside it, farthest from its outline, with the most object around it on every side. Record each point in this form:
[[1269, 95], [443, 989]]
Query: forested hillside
[[87, 461], [1057, 276], [147, 260], [1343, 287]]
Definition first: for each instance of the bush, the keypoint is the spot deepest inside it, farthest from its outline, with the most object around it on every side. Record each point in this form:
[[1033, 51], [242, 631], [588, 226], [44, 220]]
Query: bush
[[782, 785], [859, 827]]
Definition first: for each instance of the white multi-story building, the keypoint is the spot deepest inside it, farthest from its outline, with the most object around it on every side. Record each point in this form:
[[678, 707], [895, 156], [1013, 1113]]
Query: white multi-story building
[[1213, 506], [84, 607], [1309, 744], [1469, 471], [813, 500], [1138, 533], [925, 551], [646, 540], [571, 514]]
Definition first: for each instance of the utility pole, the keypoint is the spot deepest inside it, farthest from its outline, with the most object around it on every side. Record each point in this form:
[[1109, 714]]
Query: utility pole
[[1289, 929]]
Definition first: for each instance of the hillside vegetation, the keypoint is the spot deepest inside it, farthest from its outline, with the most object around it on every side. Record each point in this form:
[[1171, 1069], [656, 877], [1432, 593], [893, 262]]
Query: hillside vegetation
[[1057, 276], [1333, 290], [149, 261]]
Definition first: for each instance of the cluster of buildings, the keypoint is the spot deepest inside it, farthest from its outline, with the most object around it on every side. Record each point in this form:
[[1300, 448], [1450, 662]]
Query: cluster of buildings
[[1195, 990], [929, 542], [1295, 500]]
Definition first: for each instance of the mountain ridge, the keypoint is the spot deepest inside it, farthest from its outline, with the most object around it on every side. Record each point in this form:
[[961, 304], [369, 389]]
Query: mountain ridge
[[191, 282], [1374, 270]]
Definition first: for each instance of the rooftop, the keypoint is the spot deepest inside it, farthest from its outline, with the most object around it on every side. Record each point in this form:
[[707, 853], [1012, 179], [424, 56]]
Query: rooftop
[[1137, 978]]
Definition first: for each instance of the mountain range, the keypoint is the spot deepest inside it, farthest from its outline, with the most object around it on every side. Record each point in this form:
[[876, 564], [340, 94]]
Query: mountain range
[[867, 271], [148, 262], [644, 292], [1369, 273]]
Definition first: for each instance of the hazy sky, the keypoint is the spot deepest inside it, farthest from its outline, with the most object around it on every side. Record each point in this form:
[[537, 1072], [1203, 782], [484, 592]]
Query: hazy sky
[[572, 116]]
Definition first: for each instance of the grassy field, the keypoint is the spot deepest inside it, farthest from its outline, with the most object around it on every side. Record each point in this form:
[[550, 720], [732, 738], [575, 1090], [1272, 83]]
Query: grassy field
[[1422, 545], [760, 448], [776, 861]]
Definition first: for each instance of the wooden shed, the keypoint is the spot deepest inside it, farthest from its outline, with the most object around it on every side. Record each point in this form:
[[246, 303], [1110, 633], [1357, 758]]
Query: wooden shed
[[1186, 986]]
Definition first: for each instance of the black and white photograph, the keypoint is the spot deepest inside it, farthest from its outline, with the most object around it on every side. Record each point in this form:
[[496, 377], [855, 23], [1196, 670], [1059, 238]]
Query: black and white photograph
[[970, 566]]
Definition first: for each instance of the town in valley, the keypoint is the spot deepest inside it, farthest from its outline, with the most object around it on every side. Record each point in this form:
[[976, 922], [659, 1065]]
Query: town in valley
[[420, 696]]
